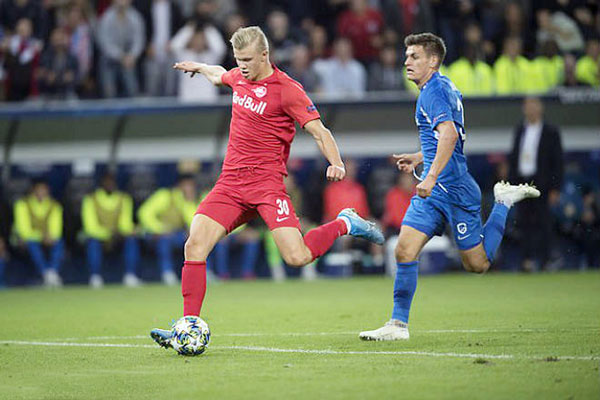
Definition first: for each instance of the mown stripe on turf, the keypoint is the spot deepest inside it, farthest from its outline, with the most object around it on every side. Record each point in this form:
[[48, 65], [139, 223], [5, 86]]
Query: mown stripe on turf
[[415, 331], [73, 344], [305, 351]]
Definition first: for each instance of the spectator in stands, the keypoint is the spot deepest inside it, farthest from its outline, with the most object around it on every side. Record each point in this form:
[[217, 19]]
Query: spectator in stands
[[38, 225], [450, 17], [386, 75], [536, 156], [21, 61], [578, 219], [199, 43], [121, 39], [584, 17], [514, 24], [363, 25], [166, 217], [590, 221], [300, 68], [204, 13], [248, 236], [408, 16], [282, 37], [318, 43], [548, 69], [81, 45], [348, 193], [588, 67], [568, 216], [397, 200], [570, 79], [4, 233], [215, 11], [471, 75], [3, 260], [107, 219], [511, 69], [186, 7], [58, 68], [101, 6], [162, 19], [341, 75], [13, 11], [561, 28], [473, 37], [233, 22], [491, 23]]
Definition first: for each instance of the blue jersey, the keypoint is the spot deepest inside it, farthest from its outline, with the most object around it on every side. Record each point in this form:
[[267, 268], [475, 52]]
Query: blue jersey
[[440, 101]]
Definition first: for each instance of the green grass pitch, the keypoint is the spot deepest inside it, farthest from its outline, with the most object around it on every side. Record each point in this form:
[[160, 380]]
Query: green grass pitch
[[497, 336]]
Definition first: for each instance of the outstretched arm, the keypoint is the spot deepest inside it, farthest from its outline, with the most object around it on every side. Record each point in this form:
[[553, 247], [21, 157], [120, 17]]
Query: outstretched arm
[[336, 171], [408, 162], [446, 142], [212, 72]]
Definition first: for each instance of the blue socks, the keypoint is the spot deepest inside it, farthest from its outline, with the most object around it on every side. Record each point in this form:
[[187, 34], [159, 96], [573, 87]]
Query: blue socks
[[405, 286], [493, 230]]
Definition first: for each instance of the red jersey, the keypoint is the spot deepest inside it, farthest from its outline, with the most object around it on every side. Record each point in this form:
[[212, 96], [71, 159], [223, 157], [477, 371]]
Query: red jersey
[[360, 29], [262, 120], [397, 202], [344, 194]]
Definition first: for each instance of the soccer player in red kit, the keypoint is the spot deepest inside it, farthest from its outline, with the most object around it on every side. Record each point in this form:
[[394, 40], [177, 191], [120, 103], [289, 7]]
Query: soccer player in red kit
[[266, 103]]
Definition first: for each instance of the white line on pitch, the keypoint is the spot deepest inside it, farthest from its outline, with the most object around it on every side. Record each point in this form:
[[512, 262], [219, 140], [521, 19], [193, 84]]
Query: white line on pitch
[[257, 334], [305, 351]]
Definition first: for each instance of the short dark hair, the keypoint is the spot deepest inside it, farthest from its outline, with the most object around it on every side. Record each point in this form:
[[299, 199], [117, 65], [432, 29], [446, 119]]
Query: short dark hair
[[432, 44], [185, 177]]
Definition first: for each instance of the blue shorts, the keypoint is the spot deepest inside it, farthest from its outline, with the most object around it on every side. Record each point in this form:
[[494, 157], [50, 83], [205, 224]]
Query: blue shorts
[[458, 204]]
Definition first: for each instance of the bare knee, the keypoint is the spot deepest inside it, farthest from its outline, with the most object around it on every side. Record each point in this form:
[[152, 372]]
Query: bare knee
[[405, 254], [478, 267], [475, 260], [297, 259], [193, 250]]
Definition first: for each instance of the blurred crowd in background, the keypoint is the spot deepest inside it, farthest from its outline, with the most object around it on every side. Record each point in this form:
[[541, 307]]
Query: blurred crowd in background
[[130, 226], [69, 49]]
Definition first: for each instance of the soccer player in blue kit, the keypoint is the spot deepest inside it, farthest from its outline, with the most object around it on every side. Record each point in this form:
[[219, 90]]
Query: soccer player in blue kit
[[447, 192]]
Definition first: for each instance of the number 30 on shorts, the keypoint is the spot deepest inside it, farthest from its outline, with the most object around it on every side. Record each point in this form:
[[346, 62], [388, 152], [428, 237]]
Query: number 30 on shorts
[[283, 207]]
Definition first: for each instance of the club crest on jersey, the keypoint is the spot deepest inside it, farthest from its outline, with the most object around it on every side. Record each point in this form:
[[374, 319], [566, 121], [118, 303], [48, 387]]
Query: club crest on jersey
[[260, 91], [249, 103]]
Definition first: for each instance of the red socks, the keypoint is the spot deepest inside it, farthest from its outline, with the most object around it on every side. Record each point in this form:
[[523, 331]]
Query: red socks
[[320, 239], [193, 286]]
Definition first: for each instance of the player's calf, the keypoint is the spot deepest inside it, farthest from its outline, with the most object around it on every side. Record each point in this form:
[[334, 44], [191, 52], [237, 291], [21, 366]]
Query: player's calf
[[475, 260]]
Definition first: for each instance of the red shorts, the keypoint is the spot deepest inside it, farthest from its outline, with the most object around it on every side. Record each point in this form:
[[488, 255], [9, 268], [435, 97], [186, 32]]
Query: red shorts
[[242, 194]]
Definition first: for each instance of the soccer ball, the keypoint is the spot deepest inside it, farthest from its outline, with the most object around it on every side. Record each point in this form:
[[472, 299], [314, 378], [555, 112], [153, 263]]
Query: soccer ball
[[190, 336]]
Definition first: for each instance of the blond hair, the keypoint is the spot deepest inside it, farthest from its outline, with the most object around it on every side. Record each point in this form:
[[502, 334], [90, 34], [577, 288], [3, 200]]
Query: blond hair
[[244, 37]]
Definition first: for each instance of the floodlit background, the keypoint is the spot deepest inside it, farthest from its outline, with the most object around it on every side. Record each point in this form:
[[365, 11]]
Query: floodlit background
[[86, 94]]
